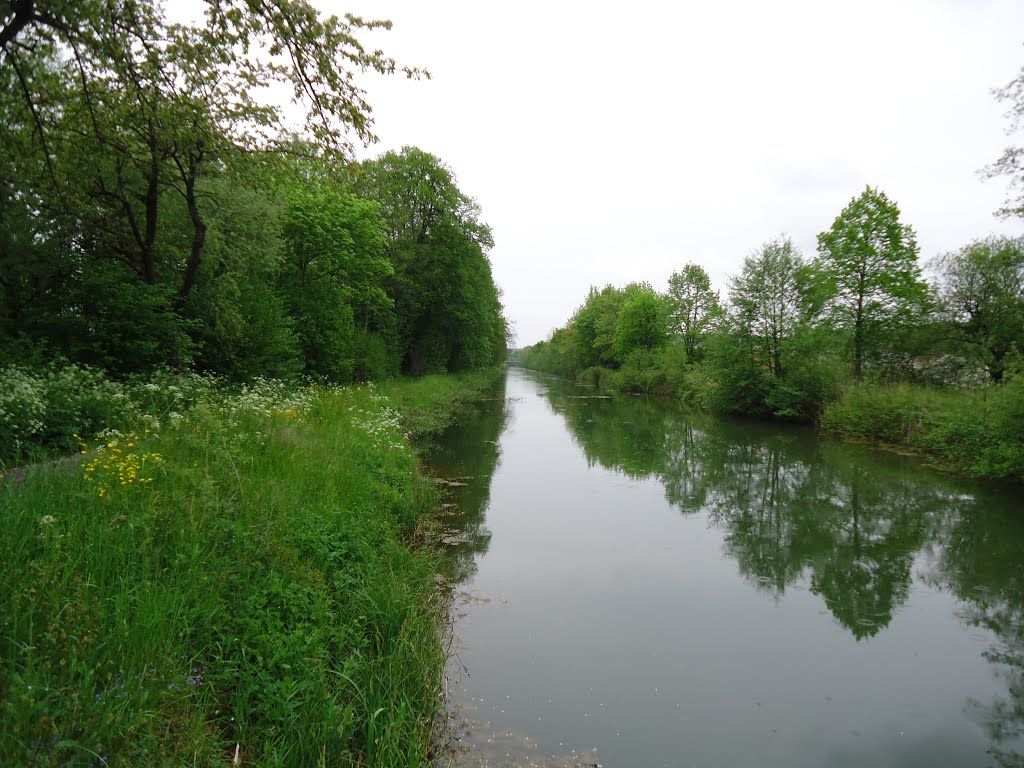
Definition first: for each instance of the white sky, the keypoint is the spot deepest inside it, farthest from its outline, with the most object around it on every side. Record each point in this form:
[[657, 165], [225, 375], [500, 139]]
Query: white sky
[[614, 143]]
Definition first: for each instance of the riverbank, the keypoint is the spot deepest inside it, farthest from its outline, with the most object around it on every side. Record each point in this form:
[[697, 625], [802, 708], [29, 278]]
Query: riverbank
[[973, 432], [236, 583]]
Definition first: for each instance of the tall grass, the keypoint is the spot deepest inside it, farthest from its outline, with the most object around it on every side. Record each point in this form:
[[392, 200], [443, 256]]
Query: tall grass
[[240, 579], [980, 432]]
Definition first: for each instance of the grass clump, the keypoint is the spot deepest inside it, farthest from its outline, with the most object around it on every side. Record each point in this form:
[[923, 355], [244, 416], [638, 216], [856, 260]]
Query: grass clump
[[239, 578]]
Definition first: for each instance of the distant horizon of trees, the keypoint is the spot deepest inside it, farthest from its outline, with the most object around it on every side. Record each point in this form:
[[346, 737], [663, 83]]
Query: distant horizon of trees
[[792, 329], [777, 346]]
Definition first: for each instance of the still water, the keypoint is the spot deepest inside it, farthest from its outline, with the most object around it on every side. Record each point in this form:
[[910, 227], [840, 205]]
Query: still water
[[643, 586]]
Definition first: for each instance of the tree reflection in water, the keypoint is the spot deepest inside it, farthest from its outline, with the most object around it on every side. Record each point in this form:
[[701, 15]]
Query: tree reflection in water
[[849, 520], [982, 563], [464, 459], [791, 506]]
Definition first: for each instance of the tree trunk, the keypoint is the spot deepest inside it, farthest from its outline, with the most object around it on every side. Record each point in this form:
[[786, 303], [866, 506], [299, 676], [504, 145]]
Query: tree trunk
[[24, 14], [152, 203], [858, 338], [199, 234]]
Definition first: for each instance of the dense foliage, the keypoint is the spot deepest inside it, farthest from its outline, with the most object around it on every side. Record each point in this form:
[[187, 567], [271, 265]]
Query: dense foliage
[[824, 339], [154, 211]]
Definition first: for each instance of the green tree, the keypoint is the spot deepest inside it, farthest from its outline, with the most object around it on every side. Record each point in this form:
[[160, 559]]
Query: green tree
[[641, 323], [252, 46], [244, 328], [336, 269], [447, 309], [594, 325], [1011, 163], [694, 307], [869, 258], [120, 125], [766, 301], [772, 358], [981, 297]]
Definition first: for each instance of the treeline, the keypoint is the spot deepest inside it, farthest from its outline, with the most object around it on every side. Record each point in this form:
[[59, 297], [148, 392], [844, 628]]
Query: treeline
[[793, 334], [154, 211]]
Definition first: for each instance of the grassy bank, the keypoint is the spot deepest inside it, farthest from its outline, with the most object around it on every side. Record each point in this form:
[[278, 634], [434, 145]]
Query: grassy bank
[[239, 577], [977, 432]]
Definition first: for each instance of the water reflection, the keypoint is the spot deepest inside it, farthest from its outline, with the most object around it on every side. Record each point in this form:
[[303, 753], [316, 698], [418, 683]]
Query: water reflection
[[463, 461], [790, 506], [850, 519], [978, 548], [859, 530]]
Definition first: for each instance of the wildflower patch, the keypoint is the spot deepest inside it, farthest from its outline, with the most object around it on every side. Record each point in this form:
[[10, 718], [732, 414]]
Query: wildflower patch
[[117, 464]]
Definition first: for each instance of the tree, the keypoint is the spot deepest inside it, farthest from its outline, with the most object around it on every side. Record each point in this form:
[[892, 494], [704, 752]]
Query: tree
[[254, 45], [334, 246], [694, 307], [641, 322], [870, 260], [981, 297], [766, 301], [594, 327], [447, 309], [773, 358], [120, 123], [1011, 162], [245, 329]]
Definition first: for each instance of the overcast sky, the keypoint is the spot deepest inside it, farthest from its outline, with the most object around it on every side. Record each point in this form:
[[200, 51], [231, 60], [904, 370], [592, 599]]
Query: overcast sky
[[614, 143]]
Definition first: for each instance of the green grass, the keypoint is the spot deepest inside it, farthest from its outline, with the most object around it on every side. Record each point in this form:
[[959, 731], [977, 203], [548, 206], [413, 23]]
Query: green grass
[[976, 432], [251, 582]]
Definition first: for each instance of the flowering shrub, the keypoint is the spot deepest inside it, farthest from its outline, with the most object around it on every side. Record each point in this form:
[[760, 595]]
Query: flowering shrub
[[43, 411], [380, 422], [22, 409], [165, 396], [268, 397]]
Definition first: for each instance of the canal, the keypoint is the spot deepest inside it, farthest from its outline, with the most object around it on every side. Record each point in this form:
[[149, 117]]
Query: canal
[[638, 585]]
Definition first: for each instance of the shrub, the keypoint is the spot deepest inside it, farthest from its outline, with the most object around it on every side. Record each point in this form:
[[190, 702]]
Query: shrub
[[43, 410]]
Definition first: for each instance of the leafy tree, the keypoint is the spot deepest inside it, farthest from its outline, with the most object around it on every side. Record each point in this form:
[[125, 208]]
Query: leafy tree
[[773, 359], [870, 260], [244, 328], [693, 305], [120, 124], [447, 309], [766, 301], [1011, 162], [981, 297], [594, 326], [334, 246], [641, 323], [252, 46]]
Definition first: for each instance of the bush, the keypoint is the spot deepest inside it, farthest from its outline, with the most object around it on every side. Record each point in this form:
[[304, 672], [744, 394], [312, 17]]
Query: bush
[[377, 358], [43, 410]]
